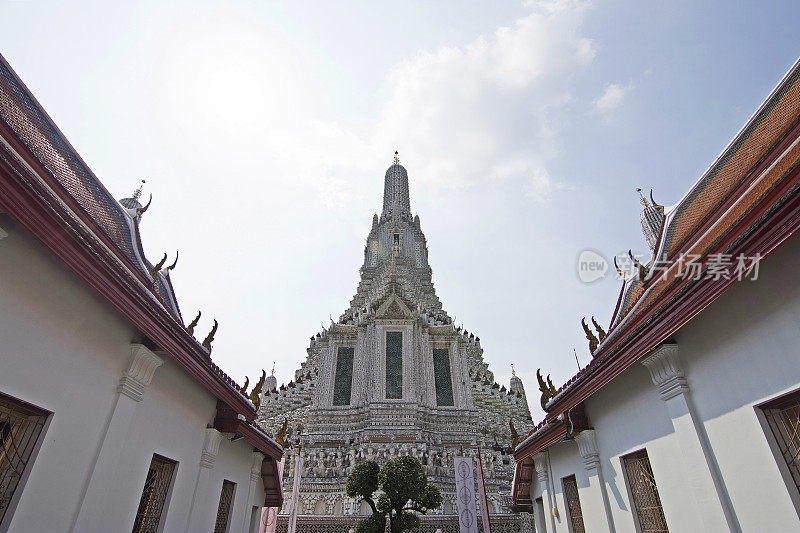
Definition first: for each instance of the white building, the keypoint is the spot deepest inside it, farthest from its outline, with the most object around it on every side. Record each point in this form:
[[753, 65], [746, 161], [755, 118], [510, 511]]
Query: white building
[[688, 417], [112, 416]]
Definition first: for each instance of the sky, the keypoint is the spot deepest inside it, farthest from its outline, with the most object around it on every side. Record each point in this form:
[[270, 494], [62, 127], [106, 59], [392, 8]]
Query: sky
[[263, 131]]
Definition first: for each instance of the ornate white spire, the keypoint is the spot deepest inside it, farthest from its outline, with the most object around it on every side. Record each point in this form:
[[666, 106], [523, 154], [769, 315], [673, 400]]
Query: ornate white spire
[[271, 383], [395, 190], [652, 219]]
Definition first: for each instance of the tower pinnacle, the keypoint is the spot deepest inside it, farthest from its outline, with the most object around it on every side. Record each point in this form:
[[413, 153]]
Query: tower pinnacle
[[395, 190]]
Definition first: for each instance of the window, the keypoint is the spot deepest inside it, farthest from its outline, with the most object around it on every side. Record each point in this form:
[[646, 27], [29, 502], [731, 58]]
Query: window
[[573, 502], [442, 379], [343, 380], [783, 417], [154, 494], [397, 239], [225, 506], [394, 365], [20, 428], [644, 493]]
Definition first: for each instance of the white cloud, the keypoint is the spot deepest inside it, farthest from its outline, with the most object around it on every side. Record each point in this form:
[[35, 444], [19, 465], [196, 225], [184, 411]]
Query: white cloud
[[490, 109], [493, 108], [540, 186], [613, 96]]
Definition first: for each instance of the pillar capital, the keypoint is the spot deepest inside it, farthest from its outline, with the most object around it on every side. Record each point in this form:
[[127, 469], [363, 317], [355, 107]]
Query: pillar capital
[[666, 371], [140, 372], [210, 448], [587, 448], [255, 468], [540, 464]]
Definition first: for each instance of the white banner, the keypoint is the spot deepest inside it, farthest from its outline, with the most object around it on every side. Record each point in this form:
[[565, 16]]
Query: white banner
[[269, 515], [465, 495], [298, 467], [482, 502]]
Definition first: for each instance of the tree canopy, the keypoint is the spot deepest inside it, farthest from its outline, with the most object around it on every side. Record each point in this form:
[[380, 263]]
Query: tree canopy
[[404, 488]]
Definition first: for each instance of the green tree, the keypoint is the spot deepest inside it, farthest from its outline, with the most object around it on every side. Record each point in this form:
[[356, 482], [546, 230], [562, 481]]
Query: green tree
[[405, 492]]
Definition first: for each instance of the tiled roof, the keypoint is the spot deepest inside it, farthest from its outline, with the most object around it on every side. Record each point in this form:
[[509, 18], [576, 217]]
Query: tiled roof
[[31, 125], [107, 234]]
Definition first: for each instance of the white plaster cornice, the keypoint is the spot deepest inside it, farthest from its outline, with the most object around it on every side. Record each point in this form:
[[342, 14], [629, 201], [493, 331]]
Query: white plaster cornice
[[139, 373], [540, 464], [255, 468], [587, 447], [210, 448], [666, 371]]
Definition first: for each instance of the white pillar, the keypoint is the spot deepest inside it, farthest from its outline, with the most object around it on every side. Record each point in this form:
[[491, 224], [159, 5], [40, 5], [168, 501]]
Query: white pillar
[[596, 502], [96, 502], [203, 501], [702, 475], [540, 463], [252, 490]]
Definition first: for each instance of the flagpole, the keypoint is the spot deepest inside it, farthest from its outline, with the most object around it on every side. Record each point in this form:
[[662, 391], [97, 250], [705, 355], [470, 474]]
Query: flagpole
[[487, 523]]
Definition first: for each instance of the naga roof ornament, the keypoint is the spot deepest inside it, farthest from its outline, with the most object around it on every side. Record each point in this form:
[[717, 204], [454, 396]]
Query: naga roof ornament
[[193, 323], [546, 387], [600, 331], [210, 337], [590, 336]]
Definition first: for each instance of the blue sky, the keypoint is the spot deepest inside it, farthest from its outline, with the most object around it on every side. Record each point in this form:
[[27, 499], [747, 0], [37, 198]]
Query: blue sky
[[264, 130]]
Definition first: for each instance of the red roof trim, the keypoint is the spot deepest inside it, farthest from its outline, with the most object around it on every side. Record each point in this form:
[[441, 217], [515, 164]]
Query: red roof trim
[[546, 436], [696, 295], [772, 220]]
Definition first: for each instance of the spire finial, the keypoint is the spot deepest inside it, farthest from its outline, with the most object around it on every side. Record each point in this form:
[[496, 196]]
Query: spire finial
[[137, 193], [273, 369], [396, 157], [513, 372]]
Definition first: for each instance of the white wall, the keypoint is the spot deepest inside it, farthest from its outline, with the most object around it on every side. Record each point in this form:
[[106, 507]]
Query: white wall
[[639, 419], [63, 349], [737, 354]]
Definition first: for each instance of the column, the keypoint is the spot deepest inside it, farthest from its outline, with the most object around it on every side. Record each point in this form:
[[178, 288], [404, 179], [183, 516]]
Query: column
[[255, 477], [702, 475], [202, 500], [97, 501], [542, 476], [595, 504]]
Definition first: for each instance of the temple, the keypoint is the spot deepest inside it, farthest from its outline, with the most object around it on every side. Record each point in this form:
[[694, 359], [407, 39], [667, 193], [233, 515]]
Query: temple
[[395, 376]]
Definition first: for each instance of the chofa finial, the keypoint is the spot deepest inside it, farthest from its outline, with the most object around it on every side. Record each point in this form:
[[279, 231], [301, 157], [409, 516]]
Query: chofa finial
[[137, 193]]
